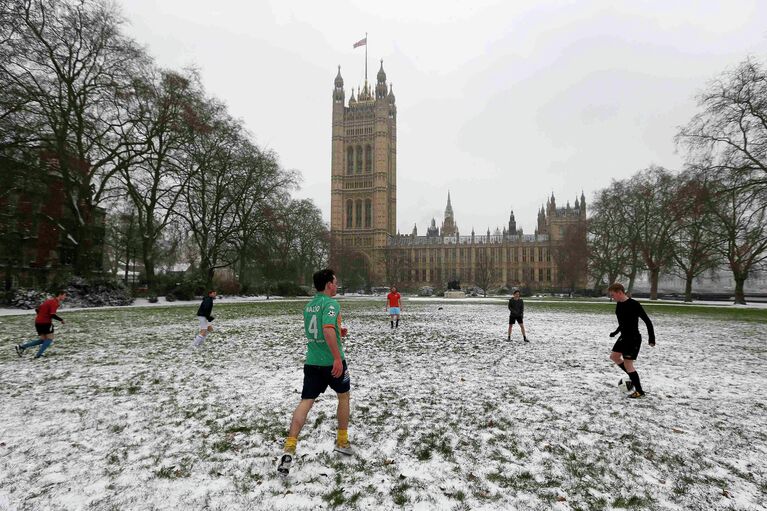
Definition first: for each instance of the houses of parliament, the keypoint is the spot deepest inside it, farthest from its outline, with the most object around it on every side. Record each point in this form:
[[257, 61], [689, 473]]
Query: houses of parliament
[[364, 236]]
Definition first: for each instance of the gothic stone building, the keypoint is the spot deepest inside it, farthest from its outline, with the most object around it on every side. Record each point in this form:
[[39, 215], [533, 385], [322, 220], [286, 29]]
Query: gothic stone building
[[364, 213]]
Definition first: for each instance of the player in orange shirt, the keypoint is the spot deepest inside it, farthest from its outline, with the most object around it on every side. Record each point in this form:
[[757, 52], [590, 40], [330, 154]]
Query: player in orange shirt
[[393, 306]]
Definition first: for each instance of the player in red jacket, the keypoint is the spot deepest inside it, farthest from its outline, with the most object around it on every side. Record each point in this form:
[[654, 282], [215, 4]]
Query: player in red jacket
[[46, 313], [393, 306]]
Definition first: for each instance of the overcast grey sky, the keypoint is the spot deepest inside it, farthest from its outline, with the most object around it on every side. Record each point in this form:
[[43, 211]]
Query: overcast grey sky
[[502, 103]]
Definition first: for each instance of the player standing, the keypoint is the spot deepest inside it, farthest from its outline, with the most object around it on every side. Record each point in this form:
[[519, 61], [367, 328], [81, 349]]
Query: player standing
[[393, 306], [626, 348], [516, 314], [325, 366], [46, 313]]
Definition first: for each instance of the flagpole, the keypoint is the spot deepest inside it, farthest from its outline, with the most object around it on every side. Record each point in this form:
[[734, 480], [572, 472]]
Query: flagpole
[[366, 57]]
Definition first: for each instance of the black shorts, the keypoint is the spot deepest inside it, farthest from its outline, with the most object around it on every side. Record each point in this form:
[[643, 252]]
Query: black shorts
[[318, 378], [44, 328], [512, 319], [628, 347]]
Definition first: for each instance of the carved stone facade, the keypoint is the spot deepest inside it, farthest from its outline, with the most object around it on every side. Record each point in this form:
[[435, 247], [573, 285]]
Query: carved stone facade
[[364, 213], [505, 257]]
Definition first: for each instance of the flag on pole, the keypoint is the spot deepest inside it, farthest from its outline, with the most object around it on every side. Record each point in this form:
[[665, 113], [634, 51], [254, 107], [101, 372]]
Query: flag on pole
[[361, 42]]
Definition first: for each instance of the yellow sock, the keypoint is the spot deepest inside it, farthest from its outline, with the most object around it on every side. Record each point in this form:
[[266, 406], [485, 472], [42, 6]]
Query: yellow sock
[[290, 444], [342, 436]]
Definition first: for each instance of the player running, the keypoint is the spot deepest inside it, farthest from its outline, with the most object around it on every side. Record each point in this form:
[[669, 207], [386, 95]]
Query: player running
[[46, 313], [325, 366], [516, 313], [205, 318], [393, 306], [626, 348]]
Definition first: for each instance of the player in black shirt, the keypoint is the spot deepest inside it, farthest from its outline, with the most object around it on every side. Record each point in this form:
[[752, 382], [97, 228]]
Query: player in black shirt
[[516, 314], [626, 349]]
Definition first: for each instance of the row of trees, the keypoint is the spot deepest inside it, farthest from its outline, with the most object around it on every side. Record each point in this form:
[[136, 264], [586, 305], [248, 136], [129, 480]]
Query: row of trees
[[146, 143], [711, 215]]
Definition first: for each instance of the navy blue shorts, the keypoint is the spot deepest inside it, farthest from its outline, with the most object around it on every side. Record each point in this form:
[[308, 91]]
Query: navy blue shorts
[[44, 328], [512, 319], [628, 347], [318, 378]]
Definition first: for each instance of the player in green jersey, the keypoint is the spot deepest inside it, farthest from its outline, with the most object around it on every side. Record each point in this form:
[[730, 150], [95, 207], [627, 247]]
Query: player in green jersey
[[325, 366]]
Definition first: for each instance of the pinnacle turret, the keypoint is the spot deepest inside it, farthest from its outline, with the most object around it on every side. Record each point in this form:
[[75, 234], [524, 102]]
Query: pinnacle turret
[[338, 91]]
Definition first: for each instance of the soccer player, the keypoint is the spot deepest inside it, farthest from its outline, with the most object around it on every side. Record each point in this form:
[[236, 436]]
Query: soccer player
[[325, 366], [516, 313], [205, 318], [393, 306], [626, 349], [46, 313]]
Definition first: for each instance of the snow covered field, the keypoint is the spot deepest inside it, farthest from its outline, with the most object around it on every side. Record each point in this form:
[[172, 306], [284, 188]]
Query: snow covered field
[[445, 413]]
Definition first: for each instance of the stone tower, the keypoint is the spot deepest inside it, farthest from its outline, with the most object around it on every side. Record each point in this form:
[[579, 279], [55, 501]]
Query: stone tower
[[363, 198]]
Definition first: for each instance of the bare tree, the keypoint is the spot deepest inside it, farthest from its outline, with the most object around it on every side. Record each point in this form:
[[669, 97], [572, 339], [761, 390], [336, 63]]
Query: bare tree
[[695, 244], [155, 180], [215, 182], [727, 140], [741, 222], [484, 269], [259, 210], [69, 67], [650, 199], [572, 259], [608, 237]]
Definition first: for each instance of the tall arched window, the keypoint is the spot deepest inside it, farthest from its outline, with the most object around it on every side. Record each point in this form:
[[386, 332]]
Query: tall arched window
[[368, 158], [349, 213], [359, 160], [368, 213], [358, 213], [349, 161]]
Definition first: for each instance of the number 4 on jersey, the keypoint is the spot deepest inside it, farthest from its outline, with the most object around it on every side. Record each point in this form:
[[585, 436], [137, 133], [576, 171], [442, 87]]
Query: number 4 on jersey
[[313, 326]]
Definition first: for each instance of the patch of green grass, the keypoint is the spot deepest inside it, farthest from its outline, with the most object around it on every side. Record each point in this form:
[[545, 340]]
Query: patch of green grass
[[319, 419], [222, 445], [432, 442], [399, 493], [173, 472], [633, 502], [335, 497], [239, 429]]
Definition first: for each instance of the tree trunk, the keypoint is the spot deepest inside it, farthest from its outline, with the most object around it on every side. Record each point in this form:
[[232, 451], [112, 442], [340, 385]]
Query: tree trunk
[[632, 279], [82, 263], [127, 263], [147, 246], [740, 297], [654, 274], [688, 288]]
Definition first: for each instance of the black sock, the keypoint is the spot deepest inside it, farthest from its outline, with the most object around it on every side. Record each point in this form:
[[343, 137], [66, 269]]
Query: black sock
[[623, 366], [398, 323], [392, 324], [635, 380]]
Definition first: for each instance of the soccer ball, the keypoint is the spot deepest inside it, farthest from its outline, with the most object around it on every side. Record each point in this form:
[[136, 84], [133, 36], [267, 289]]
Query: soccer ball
[[624, 385]]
